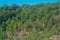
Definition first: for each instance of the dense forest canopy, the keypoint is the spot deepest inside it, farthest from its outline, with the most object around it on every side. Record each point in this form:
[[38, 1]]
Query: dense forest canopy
[[29, 22]]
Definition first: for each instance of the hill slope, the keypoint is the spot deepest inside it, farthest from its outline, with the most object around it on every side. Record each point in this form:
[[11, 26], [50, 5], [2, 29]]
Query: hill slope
[[35, 22]]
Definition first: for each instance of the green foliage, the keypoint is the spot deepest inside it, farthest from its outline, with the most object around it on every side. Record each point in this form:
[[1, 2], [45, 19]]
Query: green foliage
[[33, 22]]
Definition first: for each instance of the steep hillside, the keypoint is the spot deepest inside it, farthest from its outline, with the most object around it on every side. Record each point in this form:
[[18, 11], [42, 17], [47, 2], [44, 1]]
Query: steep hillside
[[29, 22]]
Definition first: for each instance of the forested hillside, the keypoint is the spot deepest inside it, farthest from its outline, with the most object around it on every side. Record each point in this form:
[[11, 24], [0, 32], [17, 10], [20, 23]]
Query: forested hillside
[[29, 22]]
